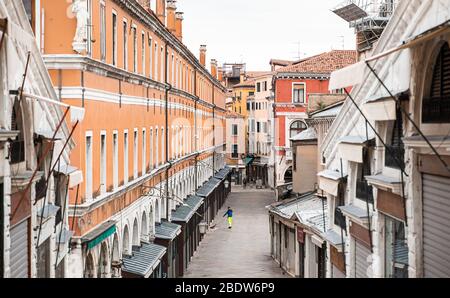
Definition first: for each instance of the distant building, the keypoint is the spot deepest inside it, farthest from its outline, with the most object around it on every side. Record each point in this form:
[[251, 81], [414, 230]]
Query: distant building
[[293, 87], [235, 137]]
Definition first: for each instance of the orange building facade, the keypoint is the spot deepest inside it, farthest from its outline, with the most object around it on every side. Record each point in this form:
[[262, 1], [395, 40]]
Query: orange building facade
[[154, 125]]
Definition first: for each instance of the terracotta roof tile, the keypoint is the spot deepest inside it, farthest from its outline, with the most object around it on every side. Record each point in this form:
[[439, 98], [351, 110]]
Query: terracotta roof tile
[[324, 63]]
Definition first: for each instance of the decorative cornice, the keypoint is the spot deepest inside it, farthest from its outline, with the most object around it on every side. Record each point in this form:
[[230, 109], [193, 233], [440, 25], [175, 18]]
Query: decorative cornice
[[152, 21]]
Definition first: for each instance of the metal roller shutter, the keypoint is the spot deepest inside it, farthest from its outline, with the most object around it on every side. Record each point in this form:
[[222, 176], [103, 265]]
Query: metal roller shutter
[[436, 220], [19, 250], [337, 273], [362, 253], [291, 252]]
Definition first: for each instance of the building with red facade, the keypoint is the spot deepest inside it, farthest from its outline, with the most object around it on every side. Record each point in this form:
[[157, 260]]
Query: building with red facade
[[293, 85]]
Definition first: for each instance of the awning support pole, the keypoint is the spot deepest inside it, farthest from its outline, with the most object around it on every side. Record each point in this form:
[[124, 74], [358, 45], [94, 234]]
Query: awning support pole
[[409, 118]]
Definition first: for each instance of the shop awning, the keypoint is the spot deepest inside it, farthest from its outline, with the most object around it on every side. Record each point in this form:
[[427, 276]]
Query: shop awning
[[248, 160], [385, 182], [75, 175], [208, 187], [351, 148], [329, 181], [334, 239], [144, 259], [167, 230], [96, 236], [222, 174], [357, 214], [185, 213]]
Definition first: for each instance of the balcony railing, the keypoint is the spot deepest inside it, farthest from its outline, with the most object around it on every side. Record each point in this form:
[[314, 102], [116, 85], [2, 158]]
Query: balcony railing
[[395, 157], [339, 219], [436, 110], [364, 191], [17, 152]]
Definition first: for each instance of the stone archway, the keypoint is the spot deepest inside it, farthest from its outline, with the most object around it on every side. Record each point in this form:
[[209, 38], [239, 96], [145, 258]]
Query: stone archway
[[115, 258], [136, 239], [126, 248], [89, 266], [288, 178], [103, 262], [144, 227]]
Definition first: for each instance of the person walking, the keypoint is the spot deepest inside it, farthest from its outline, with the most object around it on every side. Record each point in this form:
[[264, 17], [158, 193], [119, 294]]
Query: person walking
[[229, 215]]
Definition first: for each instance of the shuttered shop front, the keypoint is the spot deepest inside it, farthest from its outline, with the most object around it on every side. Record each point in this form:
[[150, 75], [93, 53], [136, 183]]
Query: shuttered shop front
[[19, 250], [362, 254], [436, 221]]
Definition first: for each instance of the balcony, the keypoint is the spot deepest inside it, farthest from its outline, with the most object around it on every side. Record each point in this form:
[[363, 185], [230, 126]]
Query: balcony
[[17, 152], [395, 157], [364, 191], [436, 110]]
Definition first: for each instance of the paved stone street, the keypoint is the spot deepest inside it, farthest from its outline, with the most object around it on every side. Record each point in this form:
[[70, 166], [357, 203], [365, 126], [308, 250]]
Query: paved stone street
[[244, 251]]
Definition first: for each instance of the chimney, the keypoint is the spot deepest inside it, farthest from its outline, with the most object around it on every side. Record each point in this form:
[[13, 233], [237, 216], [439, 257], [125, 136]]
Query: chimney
[[214, 68], [242, 76], [179, 25], [161, 10], [171, 9], [220, 74], [145, 4], [203, 55]]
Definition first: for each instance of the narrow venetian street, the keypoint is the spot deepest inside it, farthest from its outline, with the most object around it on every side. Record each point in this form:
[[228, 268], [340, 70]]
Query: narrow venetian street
[[244, 251]]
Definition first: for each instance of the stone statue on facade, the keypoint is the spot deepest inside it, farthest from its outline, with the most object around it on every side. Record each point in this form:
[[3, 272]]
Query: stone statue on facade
[[80, 10]]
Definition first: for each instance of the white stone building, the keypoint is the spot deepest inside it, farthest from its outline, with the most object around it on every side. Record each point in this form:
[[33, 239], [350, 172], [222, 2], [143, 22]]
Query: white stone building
[[35, 144], [387, 158]]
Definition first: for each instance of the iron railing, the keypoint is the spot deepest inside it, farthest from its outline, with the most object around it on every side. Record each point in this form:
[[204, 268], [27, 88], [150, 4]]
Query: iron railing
[[364, 191], [395, 157], [436, 110]]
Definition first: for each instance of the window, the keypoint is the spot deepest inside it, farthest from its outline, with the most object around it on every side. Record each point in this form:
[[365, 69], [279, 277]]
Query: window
[[235, 152], [103, 162], [258, 127], [156, 62], [173, 69], [436, 108], [135, 154], [144, 151], [162, 63], [298, 93], [235, 130], [395, 151], [114, 39], [265, 86], [258, 87], [88, 166], [163, 137], [251, 93], [151, 149], [296, 128], [135, 54], [102, 32], [363, 190], [115, 160], [125, 157], [125, 45], [157, 145], [143, 62], [395, 246], [150, 63]]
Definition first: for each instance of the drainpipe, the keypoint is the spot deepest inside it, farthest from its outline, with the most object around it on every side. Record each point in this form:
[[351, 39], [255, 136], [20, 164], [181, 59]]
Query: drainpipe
[[195, 131], [168, 87], [214, 132]]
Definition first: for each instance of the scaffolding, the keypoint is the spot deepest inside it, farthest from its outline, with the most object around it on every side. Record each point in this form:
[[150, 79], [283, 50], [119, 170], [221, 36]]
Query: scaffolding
[[368, 17]]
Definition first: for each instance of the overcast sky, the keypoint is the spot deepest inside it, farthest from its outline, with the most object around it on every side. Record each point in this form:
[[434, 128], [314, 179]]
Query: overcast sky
[[254, 31]]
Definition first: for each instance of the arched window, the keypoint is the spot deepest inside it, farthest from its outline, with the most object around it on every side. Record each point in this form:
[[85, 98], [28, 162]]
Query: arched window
[[296, 128], [436, 107]]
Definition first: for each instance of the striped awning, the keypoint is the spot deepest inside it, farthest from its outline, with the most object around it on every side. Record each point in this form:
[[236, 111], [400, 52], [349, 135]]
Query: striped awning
[[144, 259]]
